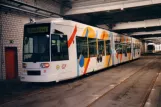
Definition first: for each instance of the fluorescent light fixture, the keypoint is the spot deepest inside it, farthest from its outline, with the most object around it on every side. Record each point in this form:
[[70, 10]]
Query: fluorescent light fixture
[[122, 8]]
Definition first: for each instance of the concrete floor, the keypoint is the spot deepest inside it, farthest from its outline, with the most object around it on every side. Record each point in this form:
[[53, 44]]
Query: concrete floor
[[125, 85]]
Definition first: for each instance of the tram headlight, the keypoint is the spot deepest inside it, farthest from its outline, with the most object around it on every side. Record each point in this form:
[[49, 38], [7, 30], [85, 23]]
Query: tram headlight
[[44, 65]]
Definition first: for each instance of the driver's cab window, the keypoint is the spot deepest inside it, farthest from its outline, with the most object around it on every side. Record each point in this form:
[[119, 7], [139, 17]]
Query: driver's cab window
[[59, 47]]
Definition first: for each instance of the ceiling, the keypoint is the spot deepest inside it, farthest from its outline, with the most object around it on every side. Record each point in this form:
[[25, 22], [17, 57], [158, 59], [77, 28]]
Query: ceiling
[[64, 3], [138, 18], [146, 15]]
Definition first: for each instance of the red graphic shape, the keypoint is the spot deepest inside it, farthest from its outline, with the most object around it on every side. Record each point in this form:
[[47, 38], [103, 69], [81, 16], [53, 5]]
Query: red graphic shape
[[86, 66], [72, 37], [63, 66]]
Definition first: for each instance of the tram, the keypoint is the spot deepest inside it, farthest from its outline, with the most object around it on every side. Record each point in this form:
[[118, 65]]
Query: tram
[[55, 49], [153, 48]]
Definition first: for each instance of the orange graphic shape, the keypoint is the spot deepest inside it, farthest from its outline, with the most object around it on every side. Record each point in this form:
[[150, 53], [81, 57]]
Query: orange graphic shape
[[120, 57], [108, 61], [104, 35], [129, 56], [87, 60]]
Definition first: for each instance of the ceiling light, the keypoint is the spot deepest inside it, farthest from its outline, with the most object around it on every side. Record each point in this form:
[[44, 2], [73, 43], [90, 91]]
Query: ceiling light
[[122, 8]]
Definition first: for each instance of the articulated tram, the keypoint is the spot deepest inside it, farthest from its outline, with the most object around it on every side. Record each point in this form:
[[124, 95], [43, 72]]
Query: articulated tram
[[55, 49]]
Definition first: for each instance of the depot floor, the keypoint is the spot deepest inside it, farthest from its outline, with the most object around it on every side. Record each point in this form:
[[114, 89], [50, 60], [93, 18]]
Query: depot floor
[[133, 84]]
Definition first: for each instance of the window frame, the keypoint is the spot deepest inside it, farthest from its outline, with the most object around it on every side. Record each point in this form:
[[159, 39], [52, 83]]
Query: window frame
[[103, 50], [95, 45], [66, 53], [109, 45], [38, 48], [120, 49], [129, 44], [87, 47]]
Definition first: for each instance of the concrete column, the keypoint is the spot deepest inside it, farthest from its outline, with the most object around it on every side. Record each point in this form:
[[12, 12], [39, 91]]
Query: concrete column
[[146, 47], [143, 47]]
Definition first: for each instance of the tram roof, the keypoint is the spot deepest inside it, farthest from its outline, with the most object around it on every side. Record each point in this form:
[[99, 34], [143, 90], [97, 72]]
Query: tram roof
[[62, 21]]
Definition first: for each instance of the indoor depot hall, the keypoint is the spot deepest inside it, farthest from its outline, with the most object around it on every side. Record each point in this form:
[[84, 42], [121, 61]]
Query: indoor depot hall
[[78, 53]]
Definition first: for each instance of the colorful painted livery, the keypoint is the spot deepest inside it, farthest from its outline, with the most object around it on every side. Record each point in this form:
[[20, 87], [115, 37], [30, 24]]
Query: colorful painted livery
[[56, 49]]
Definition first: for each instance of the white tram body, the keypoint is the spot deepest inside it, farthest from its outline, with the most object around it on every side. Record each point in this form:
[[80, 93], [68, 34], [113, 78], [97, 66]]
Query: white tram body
[[58, 49]]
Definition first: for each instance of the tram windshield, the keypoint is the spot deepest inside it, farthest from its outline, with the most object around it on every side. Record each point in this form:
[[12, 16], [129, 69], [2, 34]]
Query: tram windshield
[[151, 47], [36, 43]]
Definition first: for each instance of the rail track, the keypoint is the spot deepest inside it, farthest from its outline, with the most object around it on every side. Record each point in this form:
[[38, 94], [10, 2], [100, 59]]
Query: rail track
[[138, 72]]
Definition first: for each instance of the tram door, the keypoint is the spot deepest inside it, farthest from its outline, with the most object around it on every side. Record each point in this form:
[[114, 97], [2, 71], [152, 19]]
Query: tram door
[[11, 62]]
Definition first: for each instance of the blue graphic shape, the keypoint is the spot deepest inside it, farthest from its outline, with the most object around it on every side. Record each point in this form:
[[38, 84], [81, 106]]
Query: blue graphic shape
[[81, 62]]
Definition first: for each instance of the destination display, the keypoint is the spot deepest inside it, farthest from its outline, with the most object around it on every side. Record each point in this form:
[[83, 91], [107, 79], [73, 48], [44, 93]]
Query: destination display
[[37, 28]]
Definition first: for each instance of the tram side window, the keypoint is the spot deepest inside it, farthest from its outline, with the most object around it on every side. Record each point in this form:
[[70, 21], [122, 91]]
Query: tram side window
[[135, 47], [118, 48], [128, 48], [108, 47], [138, 46], [82, 47], [124, 48], [101, 49], [92, 47], [59, 47]]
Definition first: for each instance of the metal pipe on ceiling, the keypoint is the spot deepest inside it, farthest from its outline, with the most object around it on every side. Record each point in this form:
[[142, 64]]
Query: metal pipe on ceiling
[[24, 10], [37, 8], [31, 12]]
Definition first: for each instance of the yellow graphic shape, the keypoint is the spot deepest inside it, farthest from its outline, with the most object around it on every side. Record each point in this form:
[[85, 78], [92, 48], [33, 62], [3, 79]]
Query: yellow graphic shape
[[57, 67], [85, 62], [104, 35], [129, 56], [89, 32], [108, 61], [122, 39]]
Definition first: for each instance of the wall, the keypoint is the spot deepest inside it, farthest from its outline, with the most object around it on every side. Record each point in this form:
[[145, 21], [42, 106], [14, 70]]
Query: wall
[[12, 28], [44, 4]]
